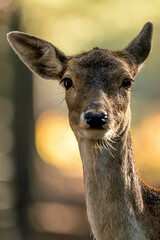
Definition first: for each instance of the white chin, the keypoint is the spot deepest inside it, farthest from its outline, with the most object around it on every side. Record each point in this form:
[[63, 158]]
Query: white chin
[[97, 133]]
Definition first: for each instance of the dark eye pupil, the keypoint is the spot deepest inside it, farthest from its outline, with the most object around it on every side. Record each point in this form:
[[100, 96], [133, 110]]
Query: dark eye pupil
[[127, 83], [67, 83]]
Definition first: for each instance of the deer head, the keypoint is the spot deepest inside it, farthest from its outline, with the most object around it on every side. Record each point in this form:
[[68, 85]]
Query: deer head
[[97, 82]]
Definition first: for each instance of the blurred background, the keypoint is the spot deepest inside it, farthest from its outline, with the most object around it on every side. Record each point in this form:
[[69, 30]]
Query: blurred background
[[41, 184]]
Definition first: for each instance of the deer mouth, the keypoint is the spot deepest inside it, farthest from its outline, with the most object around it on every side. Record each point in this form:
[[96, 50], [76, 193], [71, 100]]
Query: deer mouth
[[97, 133]]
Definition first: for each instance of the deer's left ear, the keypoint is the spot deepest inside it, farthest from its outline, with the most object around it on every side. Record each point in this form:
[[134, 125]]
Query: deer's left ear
[[39, 55], [140, 47]]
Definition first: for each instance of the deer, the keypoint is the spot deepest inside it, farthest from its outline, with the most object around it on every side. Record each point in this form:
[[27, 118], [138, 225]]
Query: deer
[[97, 83]]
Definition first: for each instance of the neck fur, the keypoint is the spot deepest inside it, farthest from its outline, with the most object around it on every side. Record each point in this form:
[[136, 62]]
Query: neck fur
[[113, 190]]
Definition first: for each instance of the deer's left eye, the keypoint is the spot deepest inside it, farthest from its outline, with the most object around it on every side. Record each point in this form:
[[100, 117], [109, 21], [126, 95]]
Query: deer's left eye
[[127, 82], [67, 82]]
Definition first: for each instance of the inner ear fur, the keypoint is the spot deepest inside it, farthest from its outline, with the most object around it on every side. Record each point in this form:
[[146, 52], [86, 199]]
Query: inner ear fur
[[140, 47], [39, 55]]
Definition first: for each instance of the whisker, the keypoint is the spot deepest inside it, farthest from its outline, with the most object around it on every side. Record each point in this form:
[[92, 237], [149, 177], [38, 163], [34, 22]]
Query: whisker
[[57, 94], [105, 144], [113, 148], [117, 136], [99, 145], [111, 140], [108, 148], [61, 101], [58, 102]]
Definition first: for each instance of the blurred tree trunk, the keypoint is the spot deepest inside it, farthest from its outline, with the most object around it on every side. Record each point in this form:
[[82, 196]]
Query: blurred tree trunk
[[23, 128]]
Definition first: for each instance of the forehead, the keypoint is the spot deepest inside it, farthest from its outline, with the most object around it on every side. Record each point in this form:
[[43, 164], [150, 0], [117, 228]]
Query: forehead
[[97, 63]]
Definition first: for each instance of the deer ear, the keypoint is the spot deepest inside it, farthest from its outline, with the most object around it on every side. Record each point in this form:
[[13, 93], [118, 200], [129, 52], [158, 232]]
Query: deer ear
[[39, 55], [140, 47]]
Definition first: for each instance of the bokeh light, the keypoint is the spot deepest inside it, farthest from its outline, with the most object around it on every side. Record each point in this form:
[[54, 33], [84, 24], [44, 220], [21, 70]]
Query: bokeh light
[[56, 143], [59, 218], [146, 143]]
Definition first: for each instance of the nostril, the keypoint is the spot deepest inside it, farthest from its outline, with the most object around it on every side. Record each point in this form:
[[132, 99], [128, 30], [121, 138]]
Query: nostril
[[88, 116], [96, 120]]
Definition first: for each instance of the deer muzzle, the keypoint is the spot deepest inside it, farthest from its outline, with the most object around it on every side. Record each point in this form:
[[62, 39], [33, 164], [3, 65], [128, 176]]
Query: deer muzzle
[[96, 120]]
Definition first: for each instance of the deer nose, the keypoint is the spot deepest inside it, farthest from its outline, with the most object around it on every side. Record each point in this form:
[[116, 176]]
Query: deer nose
[[96, 120]]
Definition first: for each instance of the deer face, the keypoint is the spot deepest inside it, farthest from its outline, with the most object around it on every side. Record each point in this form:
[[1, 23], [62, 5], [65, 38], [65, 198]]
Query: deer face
[[97, 82], [97, 87]]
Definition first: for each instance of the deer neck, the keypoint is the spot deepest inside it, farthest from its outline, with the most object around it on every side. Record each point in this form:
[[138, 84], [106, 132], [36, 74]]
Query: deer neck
[[112, 189]]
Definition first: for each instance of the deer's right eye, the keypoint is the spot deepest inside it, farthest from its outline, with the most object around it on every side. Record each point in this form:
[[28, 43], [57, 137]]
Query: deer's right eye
[[67, 82]]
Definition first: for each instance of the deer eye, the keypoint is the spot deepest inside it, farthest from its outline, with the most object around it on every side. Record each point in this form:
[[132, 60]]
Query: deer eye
[[127, 82], [67, 82]]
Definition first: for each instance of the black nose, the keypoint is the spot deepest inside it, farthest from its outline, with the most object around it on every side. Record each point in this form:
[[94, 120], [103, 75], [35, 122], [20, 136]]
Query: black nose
[[96, 120]]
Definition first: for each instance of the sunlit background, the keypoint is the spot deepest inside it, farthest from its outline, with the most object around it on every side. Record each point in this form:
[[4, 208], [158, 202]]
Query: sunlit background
[[41, 184]]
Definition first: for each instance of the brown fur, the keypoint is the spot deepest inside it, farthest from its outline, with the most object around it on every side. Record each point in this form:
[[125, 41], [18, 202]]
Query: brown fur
[[119, 205]]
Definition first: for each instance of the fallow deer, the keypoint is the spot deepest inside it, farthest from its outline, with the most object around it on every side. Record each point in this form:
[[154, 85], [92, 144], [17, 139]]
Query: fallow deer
[[120, 206]]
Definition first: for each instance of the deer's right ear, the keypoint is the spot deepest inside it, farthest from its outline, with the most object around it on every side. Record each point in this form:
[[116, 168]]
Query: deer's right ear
[[39, 55]]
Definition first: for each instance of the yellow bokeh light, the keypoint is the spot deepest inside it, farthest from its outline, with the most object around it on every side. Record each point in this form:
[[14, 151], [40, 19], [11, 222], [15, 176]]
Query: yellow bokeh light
[[146, 143], [56, 143]]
